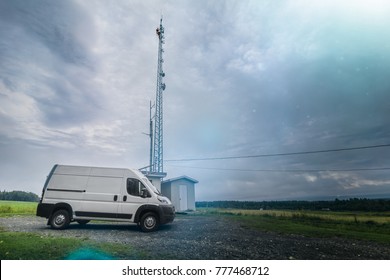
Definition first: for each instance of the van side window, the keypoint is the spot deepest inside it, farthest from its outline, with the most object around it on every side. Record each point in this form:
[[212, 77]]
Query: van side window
[[136, 188]]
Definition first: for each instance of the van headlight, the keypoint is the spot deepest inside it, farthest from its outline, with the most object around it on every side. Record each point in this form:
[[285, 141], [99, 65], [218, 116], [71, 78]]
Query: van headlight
[[163, 199]]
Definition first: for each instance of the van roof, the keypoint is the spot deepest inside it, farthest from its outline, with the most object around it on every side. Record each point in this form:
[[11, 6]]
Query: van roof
[[92, 170]]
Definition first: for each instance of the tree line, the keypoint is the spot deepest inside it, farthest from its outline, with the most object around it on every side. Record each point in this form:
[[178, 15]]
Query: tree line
[[18, 196], [352, 204]]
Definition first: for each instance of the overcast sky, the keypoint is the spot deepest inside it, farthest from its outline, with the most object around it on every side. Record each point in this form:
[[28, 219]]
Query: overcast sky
[[242, 77]]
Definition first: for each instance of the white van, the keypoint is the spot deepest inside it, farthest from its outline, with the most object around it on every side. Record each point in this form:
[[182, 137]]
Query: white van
[[82, 193]]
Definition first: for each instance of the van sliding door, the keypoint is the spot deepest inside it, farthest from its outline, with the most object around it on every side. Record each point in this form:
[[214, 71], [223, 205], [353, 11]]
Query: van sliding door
[[101, 199]]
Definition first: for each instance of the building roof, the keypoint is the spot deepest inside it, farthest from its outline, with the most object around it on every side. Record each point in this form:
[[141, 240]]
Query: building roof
[[181, 178], [154, 174]]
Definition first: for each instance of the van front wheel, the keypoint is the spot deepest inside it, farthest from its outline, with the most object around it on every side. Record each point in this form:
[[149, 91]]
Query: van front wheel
[[60, 219], [149, 222]]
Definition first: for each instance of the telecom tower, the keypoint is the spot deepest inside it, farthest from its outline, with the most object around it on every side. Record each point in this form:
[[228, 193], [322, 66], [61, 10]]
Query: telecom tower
[[156, 165]]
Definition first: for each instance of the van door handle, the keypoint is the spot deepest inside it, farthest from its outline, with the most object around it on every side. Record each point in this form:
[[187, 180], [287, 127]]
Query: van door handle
[[124, 197], [115, 197]]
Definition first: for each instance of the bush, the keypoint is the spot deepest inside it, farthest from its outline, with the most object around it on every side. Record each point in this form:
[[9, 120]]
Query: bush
[[19, 196]]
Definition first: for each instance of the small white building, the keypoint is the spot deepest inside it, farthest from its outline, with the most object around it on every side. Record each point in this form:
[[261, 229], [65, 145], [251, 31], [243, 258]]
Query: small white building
[[181, 191]]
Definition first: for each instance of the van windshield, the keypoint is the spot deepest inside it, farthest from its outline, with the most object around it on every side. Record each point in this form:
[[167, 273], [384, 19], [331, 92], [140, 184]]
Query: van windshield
[[150, 185]]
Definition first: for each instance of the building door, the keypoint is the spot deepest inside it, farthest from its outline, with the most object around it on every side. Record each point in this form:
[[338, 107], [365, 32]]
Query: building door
[[183, 197]]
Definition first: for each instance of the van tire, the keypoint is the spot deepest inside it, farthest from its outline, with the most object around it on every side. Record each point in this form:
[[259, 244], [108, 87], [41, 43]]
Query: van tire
[[149, 222], [60, 219]]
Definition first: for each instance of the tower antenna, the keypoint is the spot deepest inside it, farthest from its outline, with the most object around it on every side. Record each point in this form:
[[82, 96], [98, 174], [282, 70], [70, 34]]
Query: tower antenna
[[157, 155]]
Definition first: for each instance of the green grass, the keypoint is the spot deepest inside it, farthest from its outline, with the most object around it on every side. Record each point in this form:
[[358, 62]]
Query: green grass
[[30, 246], [27, 246], [360, 226], [12, 208]]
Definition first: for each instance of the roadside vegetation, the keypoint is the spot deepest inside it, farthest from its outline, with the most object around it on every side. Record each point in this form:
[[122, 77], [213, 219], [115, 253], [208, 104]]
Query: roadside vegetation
[[351, 204], [370, 226], [11, 208], [32, 246]]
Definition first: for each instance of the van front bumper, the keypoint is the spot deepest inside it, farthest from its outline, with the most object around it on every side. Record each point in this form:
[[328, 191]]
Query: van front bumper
[[167, 214]]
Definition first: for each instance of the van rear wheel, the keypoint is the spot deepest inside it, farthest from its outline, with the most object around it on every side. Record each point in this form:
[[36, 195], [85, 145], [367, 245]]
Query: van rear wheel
[[149, 222], [60, 219]]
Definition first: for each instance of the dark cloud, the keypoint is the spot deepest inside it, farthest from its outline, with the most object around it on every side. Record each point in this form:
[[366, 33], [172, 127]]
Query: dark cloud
[[243, 78], [46, 56], [315, 81], [63, 27]]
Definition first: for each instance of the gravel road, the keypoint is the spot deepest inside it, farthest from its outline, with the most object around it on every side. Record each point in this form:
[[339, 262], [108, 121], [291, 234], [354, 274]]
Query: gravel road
[[208, 237]]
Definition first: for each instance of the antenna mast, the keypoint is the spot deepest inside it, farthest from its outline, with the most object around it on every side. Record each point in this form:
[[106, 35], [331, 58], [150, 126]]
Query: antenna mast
[[157, 157]]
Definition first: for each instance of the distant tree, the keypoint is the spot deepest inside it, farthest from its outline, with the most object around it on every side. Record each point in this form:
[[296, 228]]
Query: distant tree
[[18, 196]]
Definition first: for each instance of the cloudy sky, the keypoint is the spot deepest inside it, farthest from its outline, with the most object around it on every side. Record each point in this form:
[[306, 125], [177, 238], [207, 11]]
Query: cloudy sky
[[243, 78]]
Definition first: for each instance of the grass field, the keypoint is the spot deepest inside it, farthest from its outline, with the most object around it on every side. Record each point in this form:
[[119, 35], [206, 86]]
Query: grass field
[[10, 208], [370, 226], [375, 217], [32, 246]]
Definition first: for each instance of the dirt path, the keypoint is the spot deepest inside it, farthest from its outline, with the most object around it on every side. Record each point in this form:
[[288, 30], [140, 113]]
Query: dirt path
[[208, 237]]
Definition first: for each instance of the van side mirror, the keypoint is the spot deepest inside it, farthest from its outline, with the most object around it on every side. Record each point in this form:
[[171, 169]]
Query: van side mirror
[[144, 194]]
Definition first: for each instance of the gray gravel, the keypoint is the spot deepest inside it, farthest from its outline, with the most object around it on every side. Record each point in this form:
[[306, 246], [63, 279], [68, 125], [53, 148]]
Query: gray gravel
[[208, 237]]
